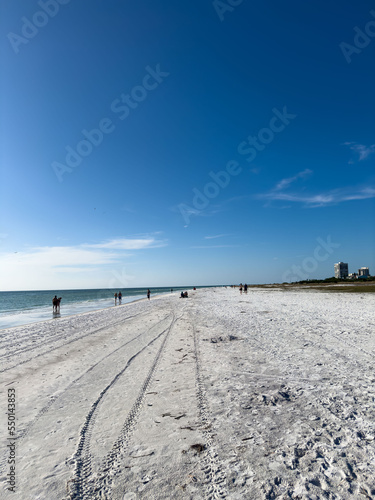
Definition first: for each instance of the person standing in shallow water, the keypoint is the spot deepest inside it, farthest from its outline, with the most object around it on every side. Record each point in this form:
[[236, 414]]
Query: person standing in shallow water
[[119, 298], [116, 299], [56, 304], [148, 294]]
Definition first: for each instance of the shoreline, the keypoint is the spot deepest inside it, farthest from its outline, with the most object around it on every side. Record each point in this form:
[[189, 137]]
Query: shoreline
[[39, 309], [61, 316], [221, 394], [346, 288]]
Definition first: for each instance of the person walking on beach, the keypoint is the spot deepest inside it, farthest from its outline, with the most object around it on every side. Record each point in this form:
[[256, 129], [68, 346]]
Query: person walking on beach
[[119, 298], [148, 294], [245, 288], [116, 299], [56, 304], [241, 288]]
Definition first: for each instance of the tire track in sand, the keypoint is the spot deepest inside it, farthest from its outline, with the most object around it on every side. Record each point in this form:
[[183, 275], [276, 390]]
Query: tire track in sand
[[215, 476], [91, 332], [47, 338], [84, 485], [31, 348], [26, 430]]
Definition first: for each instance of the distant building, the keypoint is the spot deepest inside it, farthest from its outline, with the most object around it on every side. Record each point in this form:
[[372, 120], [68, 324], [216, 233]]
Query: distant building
[[341, 270], [364, 271], [353, 276]]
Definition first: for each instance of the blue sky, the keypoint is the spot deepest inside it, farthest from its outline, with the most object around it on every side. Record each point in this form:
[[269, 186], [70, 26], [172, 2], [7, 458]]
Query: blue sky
[[159, 143]]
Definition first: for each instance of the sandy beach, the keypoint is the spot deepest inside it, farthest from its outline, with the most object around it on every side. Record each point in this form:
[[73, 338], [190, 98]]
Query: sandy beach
[[265, 395]]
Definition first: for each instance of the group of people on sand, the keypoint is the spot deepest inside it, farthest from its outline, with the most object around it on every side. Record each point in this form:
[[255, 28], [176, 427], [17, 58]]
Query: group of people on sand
[[56, 304], [243, 287], [119, 297]]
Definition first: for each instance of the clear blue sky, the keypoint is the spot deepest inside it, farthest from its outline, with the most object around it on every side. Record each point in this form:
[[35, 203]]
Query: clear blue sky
[[280, 96]]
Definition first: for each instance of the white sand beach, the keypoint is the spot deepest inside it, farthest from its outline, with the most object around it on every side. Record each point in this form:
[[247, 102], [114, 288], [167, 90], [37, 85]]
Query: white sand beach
[[258, 396]]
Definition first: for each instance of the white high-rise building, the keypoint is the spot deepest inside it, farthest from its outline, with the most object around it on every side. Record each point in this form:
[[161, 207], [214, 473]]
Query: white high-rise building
[[364, 271], [341, 270]]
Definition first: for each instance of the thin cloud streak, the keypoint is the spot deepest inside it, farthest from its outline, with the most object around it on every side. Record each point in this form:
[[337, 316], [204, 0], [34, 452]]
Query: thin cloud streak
[[323, 199], [284, 183], [129, 244], [362, 150], [315, 200], [215, 236]]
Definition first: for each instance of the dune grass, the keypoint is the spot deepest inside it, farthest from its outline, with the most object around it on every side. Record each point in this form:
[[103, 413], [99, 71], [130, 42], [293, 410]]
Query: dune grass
[[322, 287]]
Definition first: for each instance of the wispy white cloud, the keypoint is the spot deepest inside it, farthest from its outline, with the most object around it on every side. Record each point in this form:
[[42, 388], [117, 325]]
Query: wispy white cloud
[[362, 194], [49, 257], [362, 150], [129, 244], [215, 236], [279, 193], [81, 255], [34, 266], [322, 199], [284, 183]]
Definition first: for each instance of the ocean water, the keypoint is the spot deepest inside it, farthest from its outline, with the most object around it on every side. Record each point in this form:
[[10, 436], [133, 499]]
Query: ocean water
[[21, 308]]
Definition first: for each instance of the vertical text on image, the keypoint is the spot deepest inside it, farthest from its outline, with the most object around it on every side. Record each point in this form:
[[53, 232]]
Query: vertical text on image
[[11, 446]]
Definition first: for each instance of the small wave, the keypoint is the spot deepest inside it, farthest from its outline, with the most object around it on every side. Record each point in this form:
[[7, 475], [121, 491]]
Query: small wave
[[34, 315]]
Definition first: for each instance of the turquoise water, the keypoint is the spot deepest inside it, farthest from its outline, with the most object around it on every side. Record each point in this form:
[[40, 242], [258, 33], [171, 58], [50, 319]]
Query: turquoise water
[[20, 308]]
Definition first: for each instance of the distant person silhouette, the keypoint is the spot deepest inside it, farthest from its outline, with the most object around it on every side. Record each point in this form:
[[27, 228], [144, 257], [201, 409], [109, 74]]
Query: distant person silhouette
[[56, 304]]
